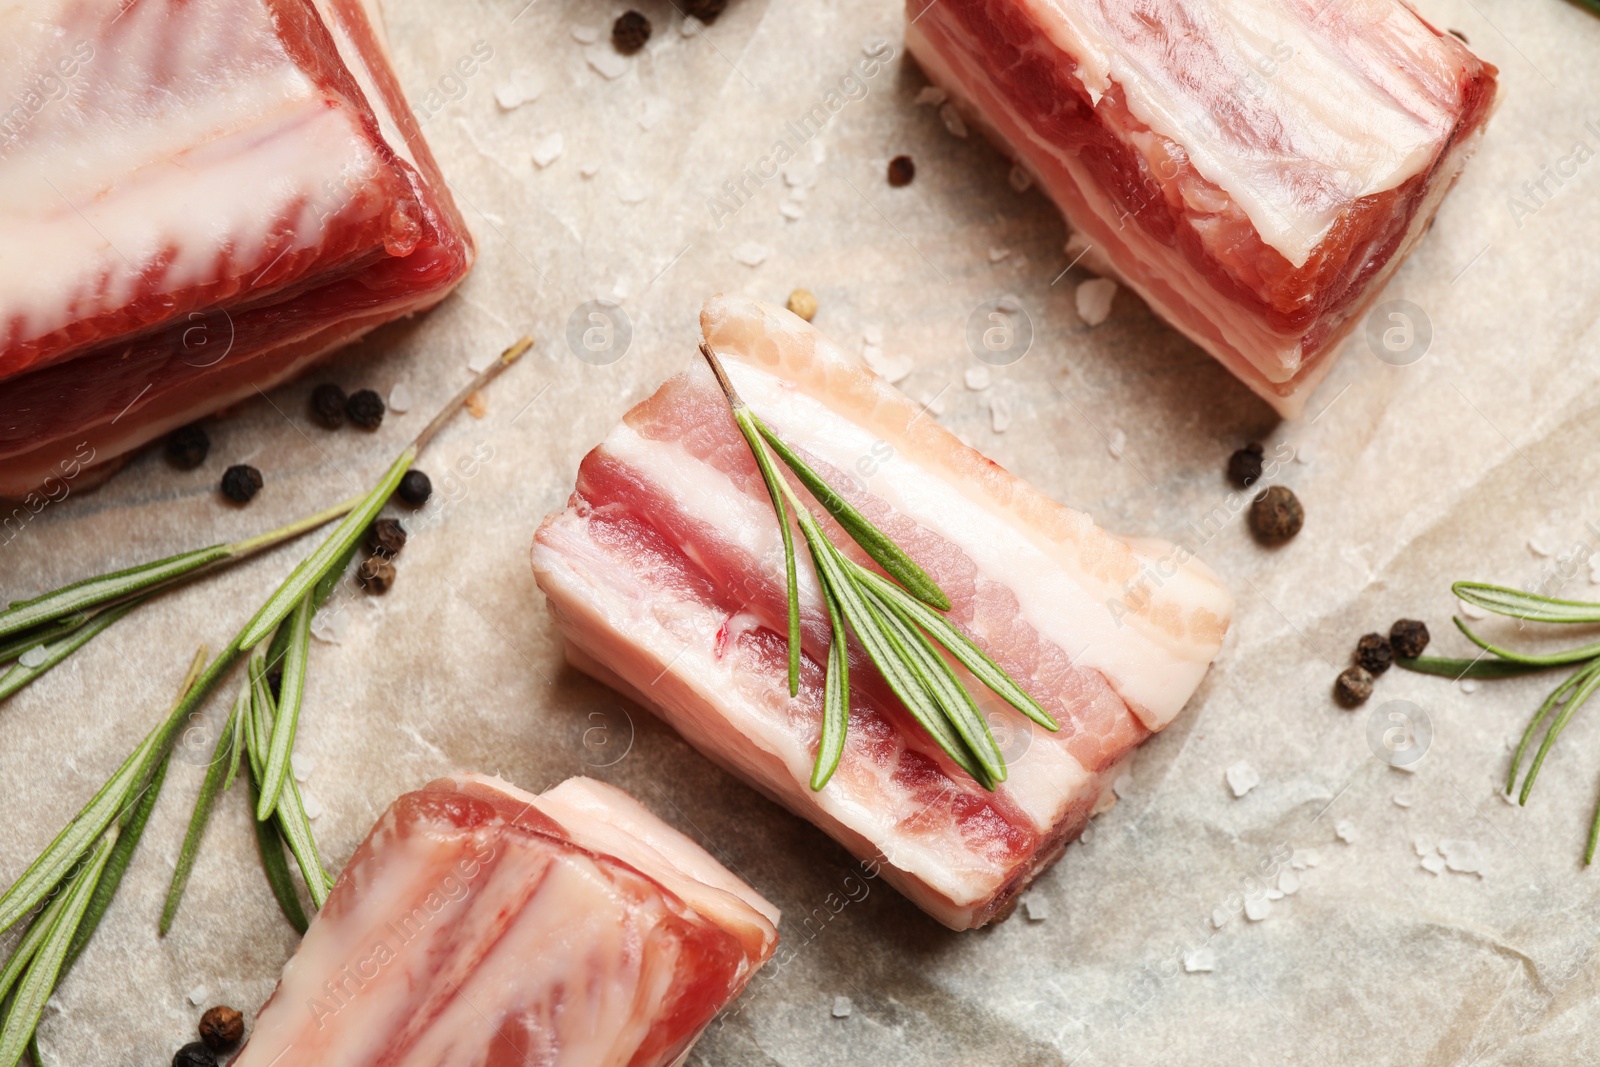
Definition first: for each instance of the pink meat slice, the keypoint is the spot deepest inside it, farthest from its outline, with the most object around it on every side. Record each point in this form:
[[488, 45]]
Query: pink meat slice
[[214, 194], [665, 573], [1255, 169], [481, 926]]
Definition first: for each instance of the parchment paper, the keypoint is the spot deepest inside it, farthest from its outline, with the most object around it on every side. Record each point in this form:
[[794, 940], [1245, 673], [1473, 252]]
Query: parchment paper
[[1471, 462]]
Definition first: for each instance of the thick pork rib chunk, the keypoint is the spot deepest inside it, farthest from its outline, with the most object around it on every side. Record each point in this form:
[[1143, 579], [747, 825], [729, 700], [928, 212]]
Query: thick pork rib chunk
[[200, 198], [480, 926], [1255, 169], [666, 575]]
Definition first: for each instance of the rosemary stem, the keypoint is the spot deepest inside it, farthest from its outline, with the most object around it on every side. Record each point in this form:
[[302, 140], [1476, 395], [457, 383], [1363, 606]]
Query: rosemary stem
[[250, 545], [487, 375]]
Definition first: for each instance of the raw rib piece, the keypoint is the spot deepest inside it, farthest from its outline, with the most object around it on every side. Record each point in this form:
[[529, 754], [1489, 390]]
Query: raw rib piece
[[1255, 169], [200, 198], [666, 575], [481, 926]]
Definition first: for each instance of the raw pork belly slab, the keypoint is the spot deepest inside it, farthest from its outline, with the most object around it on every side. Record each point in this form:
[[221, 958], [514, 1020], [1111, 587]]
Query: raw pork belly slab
[[481, 926], [200, 198], [1255, 169], [666, 575]]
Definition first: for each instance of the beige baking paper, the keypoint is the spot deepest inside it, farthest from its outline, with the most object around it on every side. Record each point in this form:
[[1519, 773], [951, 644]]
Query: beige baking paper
[[1313, 920]]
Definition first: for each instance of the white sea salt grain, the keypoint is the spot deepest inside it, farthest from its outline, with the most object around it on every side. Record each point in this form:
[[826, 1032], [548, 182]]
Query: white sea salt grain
[[309, 801], [691, 27], [1093, 299], [585, 34], [800, 174], [1036, 908], [548, 149], [931, 95], [1274, 894], [302, 766], [872, 335], [1469, 685], [889, 368], [1402, 800], [1200, 961], [1220, 916], [197, 995], [791, 210], [590, 169], [1537, 546], [1302, 858], [977, 378], [400, 398], [999, 415], [1242, 778], [1464, 857], [34, 657], [523, 87], [330, 626], [1123, 785], [606, 61], [1345, 830], [952, 120], [1288, 881], [841, 1007], [1256, 908], [1433, 864], [1421, 845]]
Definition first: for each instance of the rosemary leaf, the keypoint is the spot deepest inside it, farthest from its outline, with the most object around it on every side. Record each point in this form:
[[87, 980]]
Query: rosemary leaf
[[1590, 682], [1552, 659], [224, 763], [1560, 693], [45, 967], [19, 675], [775, 489], [291, 691], [290, 811], [92, 592], [873, 541], [942, 684], [835, 701], [1520, 605], [48, 633], [1467, 668], [955, 642], [269, 843]]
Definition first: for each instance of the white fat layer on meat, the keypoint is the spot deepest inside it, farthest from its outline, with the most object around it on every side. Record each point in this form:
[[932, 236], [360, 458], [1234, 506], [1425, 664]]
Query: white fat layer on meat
[[102, 182], [739, 718], [1063, 605], [1043, 784], [1332, 116]]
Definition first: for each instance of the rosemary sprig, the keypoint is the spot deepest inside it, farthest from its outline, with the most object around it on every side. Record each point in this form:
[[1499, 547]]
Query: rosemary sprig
[[1569, 697], [899, 624], [82, 867]]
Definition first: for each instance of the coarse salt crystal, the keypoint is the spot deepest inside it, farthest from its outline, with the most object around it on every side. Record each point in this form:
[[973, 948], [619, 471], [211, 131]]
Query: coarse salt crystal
[[1421, 845], [841, 1007], [1093, 299], [751, 254], [1256, 908], [1200, 961], [400, 398], [1304, 857], [1242, 778], [523, 87], [931, 95], [330, 625], [302, 766], [589, 169], [1462, 856], [606, 61], [1288, 881], [1274, 894], [585, 34], [952, 120], [800, 174], [1036, 907], [1123, 784], [872, 335], [1469, 685], [309, 801], [1088, 834], [1020, 179], [1345, 830], [999, 415], [791, 210], [889, 368], [691, 26], [34, 657], [1402, 800], [1220, 916], [197, 995], [548, 150], [1538, 547], [977, 378], [1433, 864]]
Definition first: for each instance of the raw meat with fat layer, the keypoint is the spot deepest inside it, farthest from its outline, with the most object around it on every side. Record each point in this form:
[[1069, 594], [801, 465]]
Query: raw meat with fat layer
[[481, 926], [1255, 169], [665, 573], [201, 198]]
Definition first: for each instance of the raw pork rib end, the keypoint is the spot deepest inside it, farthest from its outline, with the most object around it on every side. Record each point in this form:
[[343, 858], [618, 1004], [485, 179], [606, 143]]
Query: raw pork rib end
[[664, 573]]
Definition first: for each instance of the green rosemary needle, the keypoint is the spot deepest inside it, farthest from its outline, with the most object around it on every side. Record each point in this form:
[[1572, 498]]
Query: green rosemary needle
[[1569, 697], [899, 623]]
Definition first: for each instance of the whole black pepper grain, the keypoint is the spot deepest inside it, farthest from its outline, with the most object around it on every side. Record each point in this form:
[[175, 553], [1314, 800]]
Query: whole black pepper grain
[[1276, 516], [706, 11], [1353, 686], [630, 32], [194, 1054], [901, 170], [241, 482], [1244, 466], [364, 409], [327, 405], [375, 575], [1374, 654], [188, 446], [221, 1028], [415, 488], [1409, 638], [386, 538]]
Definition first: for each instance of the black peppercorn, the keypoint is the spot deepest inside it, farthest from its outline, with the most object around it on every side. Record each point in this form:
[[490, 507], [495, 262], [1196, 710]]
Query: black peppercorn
[[1409, 638], [630, 32], [1373, 653], [375, 574], [1244, 466], [705, 10], [221, 1028], [1276, 516], [386, 538], [187, 447], [327, 405], [241, 482], [901, 170], [415, 488], [364, 409], [194, 1054], [1353, 686]]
